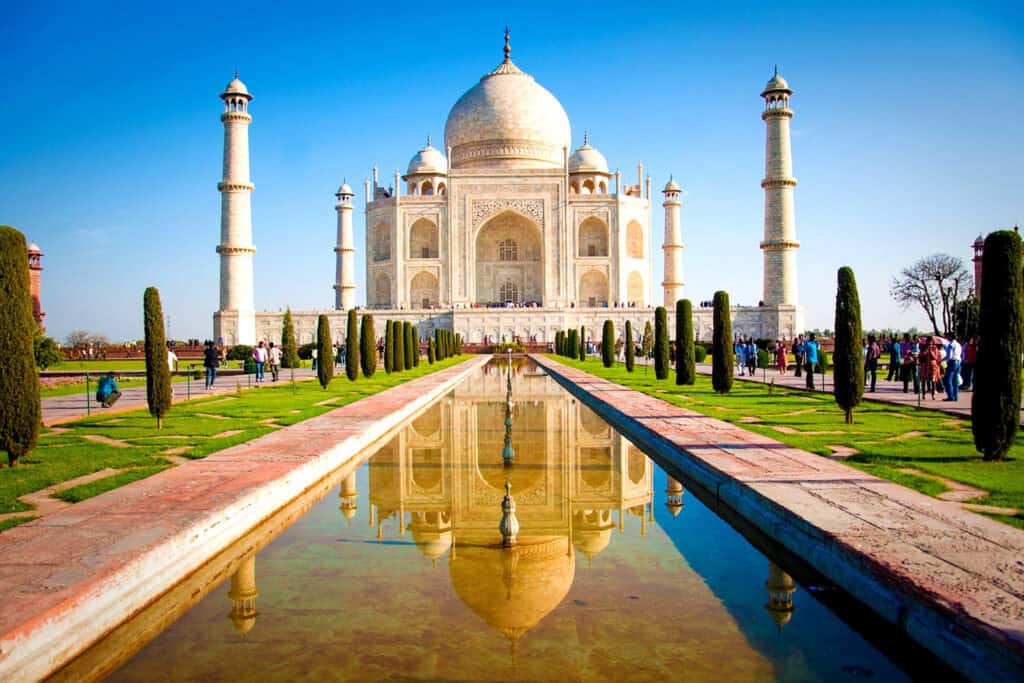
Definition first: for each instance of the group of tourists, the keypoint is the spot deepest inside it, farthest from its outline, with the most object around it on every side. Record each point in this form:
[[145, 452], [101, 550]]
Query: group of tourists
[[804, 350], [933, 364]]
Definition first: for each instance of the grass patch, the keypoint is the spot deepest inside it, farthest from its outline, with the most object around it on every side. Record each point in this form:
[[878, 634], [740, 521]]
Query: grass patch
[[63, 456], [15, 521], [1012, 520], [94, 488], [945, 446]]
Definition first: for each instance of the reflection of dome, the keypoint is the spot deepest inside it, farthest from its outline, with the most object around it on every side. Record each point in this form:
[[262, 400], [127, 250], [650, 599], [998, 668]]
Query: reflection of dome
[[507, 119], [432, 543], [586, 159], [428, 160], [592, 531], [513, 589]]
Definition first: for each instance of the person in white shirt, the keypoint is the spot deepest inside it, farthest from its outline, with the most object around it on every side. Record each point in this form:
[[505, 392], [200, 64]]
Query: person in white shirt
[[259, 354], [274, 359], [952, 378]]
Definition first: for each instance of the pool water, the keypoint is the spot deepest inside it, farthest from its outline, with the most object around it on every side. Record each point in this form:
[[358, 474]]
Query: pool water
[[398, 572]]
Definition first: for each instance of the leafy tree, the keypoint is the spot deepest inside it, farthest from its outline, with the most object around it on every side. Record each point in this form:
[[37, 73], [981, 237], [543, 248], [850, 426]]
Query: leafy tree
[[721, 345], [324, 351], [45, 351], [239, 352], [686, 367], [847, 358], [965, 317], [289, 349], [368, 344], [352, 346], [995, 403], [158, 374], [935, 283], [430, 350], [21, 412], [608, 344], [647, 341], [582, 354], [630, 349], [410, 345], [661, 363], [84, 338]]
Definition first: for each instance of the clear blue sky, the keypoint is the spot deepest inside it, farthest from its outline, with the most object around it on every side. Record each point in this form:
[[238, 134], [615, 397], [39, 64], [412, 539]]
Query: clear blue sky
[[907, 140]]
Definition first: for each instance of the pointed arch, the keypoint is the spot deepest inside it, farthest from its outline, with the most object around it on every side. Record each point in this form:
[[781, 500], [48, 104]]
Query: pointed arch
[[634, 240]]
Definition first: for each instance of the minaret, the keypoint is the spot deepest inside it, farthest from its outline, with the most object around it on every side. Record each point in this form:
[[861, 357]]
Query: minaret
[[673, 246], [35, 271], [979, 252], [779, 243], [235, 322], [345, 272]]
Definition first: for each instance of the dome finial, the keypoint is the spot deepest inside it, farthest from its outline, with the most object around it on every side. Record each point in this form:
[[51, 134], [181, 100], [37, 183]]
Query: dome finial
[[776, 69], [586, 137], [236, 73], [508, 46], [428, 140]]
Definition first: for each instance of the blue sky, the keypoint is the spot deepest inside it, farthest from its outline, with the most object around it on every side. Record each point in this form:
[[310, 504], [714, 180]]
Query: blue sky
[[907, 138]]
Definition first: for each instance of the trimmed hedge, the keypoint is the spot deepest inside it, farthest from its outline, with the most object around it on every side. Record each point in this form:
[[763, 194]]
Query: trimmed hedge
[[21, 414], [630, 348], [352, 346], [848, 375], [661, 360], [368, 344], [158, 374], [324, 351], [289, 349], [722, 359], [608, 344], [686, 370]]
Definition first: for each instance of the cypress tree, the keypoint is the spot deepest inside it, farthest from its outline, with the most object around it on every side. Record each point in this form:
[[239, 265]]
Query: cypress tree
[[608, 344], [389, 347], [410, 345], [439, 344], [647, 343], [721, 345], [352, 346], [630, 349], [661, 360], [847, 359], [430, 350], [158, 374], [399, 335], [458, 345], [573, 343], [289, 349], [583, 343], [560, 342], [995, 403], [21, 414], [324, 351], [368, 342], [686, 367]]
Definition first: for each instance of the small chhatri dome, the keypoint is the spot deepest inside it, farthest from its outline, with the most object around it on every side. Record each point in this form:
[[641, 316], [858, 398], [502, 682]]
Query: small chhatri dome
[[428, 160], [586, 159], [671, 185], [344, 189], [34, 249], [236, 87], [777, 84]]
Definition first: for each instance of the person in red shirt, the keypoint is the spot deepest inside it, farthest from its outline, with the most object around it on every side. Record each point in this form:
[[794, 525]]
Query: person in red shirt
[[969, 360], [872, 352]]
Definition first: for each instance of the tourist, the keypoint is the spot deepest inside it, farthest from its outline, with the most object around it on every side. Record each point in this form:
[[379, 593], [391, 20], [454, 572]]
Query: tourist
[[895, 359], [259, 355], [274, 360], [967, 362], [928, 362], [211, 361], [952, 358], [908, 364], [740, 349], [751, 356], [810, 359], [107, 392], [871, 355], [313, 356], [780, 357], [798, 355]]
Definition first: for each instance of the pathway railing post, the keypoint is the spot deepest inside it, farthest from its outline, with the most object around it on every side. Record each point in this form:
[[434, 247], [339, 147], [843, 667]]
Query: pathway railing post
[[88, 396]]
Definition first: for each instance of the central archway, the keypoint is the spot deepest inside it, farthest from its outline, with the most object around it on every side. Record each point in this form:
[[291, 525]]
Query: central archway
[[509, 261]]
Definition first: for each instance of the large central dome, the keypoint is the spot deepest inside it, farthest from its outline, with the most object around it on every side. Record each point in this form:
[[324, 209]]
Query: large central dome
[[507, 120]]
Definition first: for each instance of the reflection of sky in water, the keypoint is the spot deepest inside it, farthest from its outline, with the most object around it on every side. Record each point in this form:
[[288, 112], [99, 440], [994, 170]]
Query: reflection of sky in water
[[605, 583]]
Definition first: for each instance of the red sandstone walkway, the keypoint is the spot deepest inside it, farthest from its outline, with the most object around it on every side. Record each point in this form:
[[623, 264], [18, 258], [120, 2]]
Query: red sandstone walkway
[[952, 579], [68, 578]]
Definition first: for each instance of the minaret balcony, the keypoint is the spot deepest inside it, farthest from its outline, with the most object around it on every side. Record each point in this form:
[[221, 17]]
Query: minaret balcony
[[779, 245], [776, 183], [225, 186], [776, 114], [235, 116]]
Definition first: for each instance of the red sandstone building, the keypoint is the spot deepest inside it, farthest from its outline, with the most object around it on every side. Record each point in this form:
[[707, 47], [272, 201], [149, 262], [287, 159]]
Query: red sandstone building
[[35, 269]]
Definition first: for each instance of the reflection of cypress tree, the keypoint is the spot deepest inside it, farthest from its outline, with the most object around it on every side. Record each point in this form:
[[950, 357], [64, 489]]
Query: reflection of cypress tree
[[324, 351], [19, 384], [686, 368], [608, 344], [352, 346], [995, 403], [289, 349], [630, 349], [158, 374], [847, 358], [661, 361], [368, 344], [721, 345], [399, 335]]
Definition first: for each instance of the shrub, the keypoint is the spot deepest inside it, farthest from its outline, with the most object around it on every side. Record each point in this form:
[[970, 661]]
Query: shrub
[[458, 345], [21, 414], [398, 332], [158, 375], [439, 344], [630, 349], [995, 404], [411, 350], [368, 346], [661, 361], [848, 376], [239, 352], [324, 351], [45, 351], [647, 342], [582, 353], [700, 353], [764, 359], [686, 371], [721, 345], [430, 350], [352, 346], [573, 340], [824, 361], [289, 351], [389, 347], [305, 351], [558, 342], [608, 344]]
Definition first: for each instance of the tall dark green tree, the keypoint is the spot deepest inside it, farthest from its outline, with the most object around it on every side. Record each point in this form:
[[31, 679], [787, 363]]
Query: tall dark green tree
[[289, 348], [686, 366], [20, 407], [430, 350], [630, 347], [438, 344], [368, 346], [324, 351], [352, 346], [721, 345], [995, 403], [389, 347], [608, 344], [573, 340], [847, 358], [647, 342], [582, 353], [399, 334], [410, 345], [458, 345], [661, 360], [158, 373]]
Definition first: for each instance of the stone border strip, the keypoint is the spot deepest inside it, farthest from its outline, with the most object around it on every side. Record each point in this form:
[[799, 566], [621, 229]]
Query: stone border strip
[[68, 579], [950, 580]]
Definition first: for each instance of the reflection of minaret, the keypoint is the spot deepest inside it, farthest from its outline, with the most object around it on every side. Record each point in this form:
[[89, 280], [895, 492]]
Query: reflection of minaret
[[508, 453], [674, 497], [780, 587], [349, 496], [243, 596]]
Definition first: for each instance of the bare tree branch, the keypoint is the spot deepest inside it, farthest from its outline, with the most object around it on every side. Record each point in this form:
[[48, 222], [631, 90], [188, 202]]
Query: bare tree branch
[[936, 284]]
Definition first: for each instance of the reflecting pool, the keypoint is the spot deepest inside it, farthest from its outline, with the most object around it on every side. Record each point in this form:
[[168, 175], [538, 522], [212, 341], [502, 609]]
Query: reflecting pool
[[395, 570]]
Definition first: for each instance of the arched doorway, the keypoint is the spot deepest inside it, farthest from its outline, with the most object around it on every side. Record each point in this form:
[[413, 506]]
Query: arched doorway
[[635, 289], [423, 291], [509, 260], [423, 239], [634, 240], [593, 237], [382, 290], [593, 289]]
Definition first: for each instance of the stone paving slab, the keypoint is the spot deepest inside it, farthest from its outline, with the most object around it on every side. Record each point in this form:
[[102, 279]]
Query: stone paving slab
[[950, 579], [69, 578]]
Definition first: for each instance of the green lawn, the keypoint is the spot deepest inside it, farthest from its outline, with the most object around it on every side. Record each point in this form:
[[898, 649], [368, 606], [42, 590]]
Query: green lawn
[[887, 438], [193, 429]]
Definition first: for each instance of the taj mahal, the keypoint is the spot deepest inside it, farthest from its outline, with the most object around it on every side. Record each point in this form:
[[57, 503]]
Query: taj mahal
[[508, 233]]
